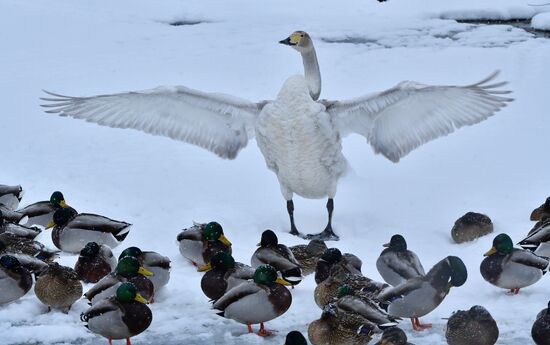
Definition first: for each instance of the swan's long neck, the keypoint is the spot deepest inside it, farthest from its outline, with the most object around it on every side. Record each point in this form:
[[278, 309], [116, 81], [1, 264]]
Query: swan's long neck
[[312, 73]]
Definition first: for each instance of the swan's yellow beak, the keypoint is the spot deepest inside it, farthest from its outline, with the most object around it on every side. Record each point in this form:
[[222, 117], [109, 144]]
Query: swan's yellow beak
[[139, 298], [145, 272], [490, 252], [291, 40]]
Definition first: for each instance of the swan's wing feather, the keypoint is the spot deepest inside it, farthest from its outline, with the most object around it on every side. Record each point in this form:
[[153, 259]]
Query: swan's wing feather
[[219, 123], [398, 120]]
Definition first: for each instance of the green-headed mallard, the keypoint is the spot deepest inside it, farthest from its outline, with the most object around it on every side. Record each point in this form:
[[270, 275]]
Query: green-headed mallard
[[541, 328], [333, 256], [121, 316], [127, 269], [511, 268], [472, 327], [270, 252], [41, 213], [94, 262], [339, 327], [538, 240], [72, 231], [295, 338], [17, 229], [15, 280], [257, 301], [223, 275], [10, 196], [541, 212], [152, 261], [418, 296], [10, 243], [326, 291], [393, 336], [58, 287], [396, 264], [308, 255], [201, 241]]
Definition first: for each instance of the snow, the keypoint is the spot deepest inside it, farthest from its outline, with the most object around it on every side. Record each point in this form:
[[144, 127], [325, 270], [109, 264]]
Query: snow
[[91, 47]]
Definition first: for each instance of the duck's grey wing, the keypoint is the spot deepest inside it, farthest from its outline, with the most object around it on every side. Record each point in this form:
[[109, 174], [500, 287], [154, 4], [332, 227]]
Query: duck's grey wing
[[10, 196], [236, 294], [527, 258], [368, 310], [398, 120], [275, 259], [537, 236], [103, 284], [20, 230], [12, 216], [39, 213], [400, 290], [193, 234], [216, 122], [243, 271], [156, 260], [100, 308]]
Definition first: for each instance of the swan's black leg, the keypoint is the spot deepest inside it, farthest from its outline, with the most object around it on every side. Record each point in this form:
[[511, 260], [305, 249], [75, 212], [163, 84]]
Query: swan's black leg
[[290, 208], [327, 234]]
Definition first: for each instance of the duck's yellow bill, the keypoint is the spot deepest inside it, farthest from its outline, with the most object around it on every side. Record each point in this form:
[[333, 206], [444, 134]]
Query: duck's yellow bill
[[386, 245], [224, 240], [139, 298], [63, 203], [145, 272], [50, 225], [206, 267], [282, 281], [490, 252]]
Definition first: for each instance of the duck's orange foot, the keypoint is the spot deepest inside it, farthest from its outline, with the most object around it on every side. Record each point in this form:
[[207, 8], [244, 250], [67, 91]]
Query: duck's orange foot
[[417, 326], [513, 292], [194, 264], [264, 332]]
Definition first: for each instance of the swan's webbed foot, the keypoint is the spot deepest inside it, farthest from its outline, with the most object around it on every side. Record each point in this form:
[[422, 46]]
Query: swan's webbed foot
[[326, 235], [294, 231]]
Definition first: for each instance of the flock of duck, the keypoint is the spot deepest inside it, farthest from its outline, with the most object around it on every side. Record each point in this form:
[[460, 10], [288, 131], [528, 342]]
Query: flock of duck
[[353, 307]]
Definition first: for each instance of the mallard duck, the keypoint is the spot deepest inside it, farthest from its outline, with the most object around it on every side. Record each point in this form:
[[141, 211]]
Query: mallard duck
[[10, 243], [543, 211], [511, 268], [333, 256], [41, 213], [127, 269], [393, 336], [94, 262], [15, 280], [201, 241], [541, 328], [418, 296], [270, 252], [538, 240], [338, 327], [152, 261], [223, 275], [326, 291], [396, 264], [299, 135], [472, 327], [258, 301], [121, 316], [17, 229], [295, 338], [58, 287], [308, 255], [72, 231], [10, 196]]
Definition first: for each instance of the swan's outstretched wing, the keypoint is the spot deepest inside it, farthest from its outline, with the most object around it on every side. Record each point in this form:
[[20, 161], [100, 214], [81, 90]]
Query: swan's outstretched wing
[[400, 119], [219, 123]]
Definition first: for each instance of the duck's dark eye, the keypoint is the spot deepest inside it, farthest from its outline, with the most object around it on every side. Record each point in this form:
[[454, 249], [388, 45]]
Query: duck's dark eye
[[302, 35]]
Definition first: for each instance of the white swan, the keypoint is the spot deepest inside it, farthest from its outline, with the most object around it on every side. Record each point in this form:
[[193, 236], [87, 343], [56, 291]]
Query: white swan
[[299, 136]]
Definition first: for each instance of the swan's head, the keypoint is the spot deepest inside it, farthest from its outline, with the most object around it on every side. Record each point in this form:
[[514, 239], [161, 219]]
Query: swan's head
[[299, 40]]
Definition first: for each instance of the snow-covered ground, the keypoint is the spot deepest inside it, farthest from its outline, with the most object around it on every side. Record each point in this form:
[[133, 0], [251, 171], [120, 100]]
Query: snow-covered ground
[[499, 167]]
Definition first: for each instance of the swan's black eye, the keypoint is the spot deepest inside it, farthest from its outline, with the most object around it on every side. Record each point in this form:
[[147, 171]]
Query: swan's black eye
[[302, 35]]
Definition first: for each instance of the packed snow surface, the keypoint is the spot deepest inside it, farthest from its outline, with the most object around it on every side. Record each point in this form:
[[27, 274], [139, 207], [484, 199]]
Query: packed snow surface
[[499, 167]]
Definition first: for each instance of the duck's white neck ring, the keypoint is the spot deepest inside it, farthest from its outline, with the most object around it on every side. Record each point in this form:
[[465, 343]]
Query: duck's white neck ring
[[312, 73]]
